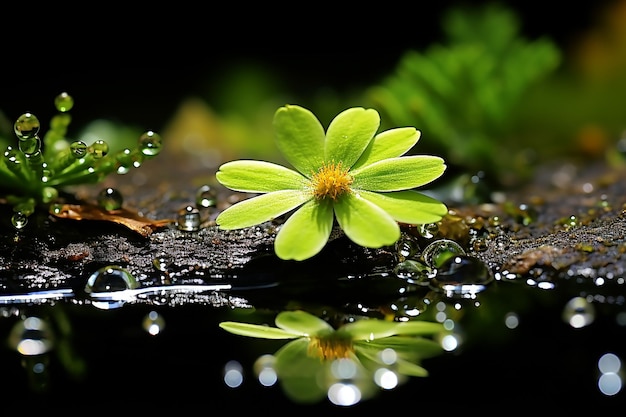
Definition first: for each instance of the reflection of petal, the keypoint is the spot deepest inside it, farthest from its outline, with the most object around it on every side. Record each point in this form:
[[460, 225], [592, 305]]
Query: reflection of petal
[[299, 374], [406, 346], [257, 330], [302, 322]]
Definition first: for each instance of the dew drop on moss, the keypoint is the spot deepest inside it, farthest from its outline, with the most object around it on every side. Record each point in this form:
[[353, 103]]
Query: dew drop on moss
[[27, 126], [150, 143], [64, 102], [110, 199]]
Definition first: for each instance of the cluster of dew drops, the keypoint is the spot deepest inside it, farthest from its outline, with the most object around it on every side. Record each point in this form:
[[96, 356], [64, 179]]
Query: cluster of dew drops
[[41, 168]]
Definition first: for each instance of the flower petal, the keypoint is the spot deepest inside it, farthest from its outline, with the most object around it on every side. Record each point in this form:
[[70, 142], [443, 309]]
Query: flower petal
[[365, 223], [302, 323], [257, 330], [259, 209], [300, 138], [259, 177], [394, 174], [408, 206], [348, 135], [305, 232], [391, 143]]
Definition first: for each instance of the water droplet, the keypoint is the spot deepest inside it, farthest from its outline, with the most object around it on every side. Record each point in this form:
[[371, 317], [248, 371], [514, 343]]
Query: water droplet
[[189, 219], [437, 252], [407, 247], [150, 143], [79, 149], [49, 194], [27, 126], [64, 102], [462, 276], [110, 199], [110, 278], [99, 149], [124, 161], [429, 230], [19, 220], [578, 312], [31, 336], [30, 145], [415, 272], [206, 197]]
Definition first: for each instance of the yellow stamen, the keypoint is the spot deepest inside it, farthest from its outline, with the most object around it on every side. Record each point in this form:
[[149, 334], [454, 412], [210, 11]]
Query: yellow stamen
[[332, 180], [330, 347]]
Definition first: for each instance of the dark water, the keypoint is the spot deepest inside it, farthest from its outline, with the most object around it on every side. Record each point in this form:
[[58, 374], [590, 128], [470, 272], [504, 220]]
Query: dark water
[[520, 348]]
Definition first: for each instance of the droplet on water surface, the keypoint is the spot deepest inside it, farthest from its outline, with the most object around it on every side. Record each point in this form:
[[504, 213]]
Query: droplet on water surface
[[189, 219], [110, 278], [462, 276], [27, 126], [414, 272], [436, 253], [110, 199]]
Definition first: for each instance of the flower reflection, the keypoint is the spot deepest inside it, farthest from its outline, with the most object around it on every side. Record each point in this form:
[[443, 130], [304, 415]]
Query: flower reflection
[[347, 364]]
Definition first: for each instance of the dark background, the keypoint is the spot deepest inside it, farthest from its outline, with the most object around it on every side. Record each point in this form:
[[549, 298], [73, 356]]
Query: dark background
[[136, 68]]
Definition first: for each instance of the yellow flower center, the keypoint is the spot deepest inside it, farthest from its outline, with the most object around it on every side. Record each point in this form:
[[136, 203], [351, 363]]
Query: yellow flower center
[[332, 180], [330, 347]]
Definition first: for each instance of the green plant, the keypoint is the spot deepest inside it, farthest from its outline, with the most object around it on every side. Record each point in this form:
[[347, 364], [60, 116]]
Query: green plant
[[465, 92], [350, 171], [33, 173], [315, 346]]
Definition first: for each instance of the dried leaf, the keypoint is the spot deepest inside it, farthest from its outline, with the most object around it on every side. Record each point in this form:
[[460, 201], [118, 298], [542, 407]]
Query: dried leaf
[[132, 220]]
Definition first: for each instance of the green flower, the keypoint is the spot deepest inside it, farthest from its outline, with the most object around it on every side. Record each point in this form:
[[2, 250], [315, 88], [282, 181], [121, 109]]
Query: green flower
[[370, 345], [348, 172]]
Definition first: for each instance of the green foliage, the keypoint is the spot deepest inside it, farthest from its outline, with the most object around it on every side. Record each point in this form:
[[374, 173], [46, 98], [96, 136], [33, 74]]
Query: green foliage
[[463, 94], [348, 172], [34, 171]]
